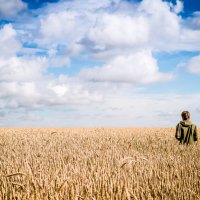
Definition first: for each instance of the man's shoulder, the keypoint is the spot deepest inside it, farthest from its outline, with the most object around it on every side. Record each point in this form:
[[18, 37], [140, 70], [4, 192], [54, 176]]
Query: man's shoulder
[[194, 125]]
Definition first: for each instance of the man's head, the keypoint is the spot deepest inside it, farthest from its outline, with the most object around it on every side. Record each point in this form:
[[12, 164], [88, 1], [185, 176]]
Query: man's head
[[185, 115]]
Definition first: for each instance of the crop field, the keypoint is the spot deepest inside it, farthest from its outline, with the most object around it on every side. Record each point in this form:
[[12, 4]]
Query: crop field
[[97, 164]]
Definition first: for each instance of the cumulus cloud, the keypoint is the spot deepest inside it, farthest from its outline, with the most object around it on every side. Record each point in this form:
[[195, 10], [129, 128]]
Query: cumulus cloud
[[77, 5], [166, 30], [194, 21], [117, 30], [11, 8], [25, 81], [139, 68], [107, 26], [21, 69], [44, 93], [19, 94], [178, 7], [9, 45], [65, 28], [58, 27], [12, 67], [193, 65]]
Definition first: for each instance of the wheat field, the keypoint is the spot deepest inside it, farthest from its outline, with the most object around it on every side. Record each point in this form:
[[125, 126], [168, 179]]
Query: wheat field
[[97, 164]]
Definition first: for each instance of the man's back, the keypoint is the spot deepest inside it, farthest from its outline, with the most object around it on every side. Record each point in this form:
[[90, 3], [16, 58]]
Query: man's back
[[186, 132]]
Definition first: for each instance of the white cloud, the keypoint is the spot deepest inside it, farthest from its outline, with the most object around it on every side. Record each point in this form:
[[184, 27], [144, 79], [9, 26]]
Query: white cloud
[[117, 30], [63, 27], [44, 93], [194, 21], [10, 8], [21, 69], [19, 94], [193, 65], [167, 30], [107, 26], [139, 68], [178, 7], [152, 24], [58, 26], [25, 82], [90, 6], [9, 45], [143, 110], [164, 25]]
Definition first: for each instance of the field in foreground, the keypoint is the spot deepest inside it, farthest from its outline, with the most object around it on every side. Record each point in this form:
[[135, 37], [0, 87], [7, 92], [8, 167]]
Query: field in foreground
[[97, 164]]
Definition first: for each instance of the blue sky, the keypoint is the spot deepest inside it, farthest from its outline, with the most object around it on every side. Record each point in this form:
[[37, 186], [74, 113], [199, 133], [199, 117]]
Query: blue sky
[[109, 63]]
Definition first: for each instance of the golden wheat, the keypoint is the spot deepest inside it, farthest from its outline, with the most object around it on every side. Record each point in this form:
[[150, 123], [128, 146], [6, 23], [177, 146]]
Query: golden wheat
[[97, 163]]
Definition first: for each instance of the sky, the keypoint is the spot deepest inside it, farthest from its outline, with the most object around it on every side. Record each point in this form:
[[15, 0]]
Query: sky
[[108, 63]]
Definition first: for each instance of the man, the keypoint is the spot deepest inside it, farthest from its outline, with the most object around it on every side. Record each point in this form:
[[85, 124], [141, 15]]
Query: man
[[186, 132]]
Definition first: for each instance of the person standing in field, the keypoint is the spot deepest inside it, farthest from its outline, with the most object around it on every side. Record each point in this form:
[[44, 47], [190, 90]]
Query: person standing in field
[[186, 131]]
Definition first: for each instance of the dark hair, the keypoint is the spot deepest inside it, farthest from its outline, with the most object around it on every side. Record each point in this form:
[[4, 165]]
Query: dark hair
[[185, 115]]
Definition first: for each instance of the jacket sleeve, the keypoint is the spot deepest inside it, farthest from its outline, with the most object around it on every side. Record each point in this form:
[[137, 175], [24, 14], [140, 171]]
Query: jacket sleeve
[[178, 132], [195, 135]]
